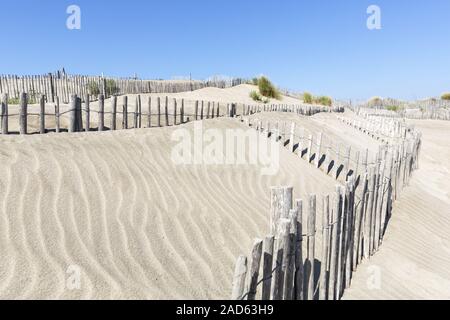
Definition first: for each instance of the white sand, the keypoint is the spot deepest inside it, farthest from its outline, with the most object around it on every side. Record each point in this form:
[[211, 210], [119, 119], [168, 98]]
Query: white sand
[[137, 226], [414, 260]]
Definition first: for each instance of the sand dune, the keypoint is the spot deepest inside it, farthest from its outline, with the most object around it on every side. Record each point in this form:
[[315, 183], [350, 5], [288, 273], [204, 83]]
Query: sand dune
[[414, 261], [137, 226]]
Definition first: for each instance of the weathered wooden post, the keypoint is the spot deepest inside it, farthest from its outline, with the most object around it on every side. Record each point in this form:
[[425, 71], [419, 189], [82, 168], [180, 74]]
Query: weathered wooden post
[[88, 113], [196, 110], [319, 147], [57, 115], [175, 111], [23, 119], [149, 112], [289, 279], [182, 111], [280, 206], [267, 267], [280, 259], [240, 274], [101, 112], [113, 112], [335, 248], [202, 110], [255, 263], [125, 113], [299, 274], [292, 138], [73, 113], [4, 113], [323, 294], [309, 153], [136, 114], [311, 238], [166, 111], [42, 114]]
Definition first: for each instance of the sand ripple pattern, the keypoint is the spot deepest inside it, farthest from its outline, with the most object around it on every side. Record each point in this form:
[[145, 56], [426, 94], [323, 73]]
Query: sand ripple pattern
[[115, 206]]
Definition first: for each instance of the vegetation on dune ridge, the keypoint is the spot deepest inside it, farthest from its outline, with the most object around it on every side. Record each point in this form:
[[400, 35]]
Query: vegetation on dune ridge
[[307, 98], [321, 100], [445, 96], [266, 90], [375, 102]]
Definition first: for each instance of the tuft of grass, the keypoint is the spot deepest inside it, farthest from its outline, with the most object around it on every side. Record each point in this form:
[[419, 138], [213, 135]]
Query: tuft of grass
[[267, 89], [258, 98], [445, 96], [375, 102], [393, 108], [324, 101], [307, 98]]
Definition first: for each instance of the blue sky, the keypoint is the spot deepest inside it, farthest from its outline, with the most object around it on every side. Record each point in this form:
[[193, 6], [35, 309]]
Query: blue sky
[[322, 46]]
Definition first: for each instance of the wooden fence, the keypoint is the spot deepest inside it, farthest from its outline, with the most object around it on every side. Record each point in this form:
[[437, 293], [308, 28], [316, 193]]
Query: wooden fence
[[418, 113], [125, 114], [286, 265], [62, 85]]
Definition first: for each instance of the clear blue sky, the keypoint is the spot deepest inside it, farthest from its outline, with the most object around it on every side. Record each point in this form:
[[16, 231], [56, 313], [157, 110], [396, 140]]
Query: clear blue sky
[[322, 46]]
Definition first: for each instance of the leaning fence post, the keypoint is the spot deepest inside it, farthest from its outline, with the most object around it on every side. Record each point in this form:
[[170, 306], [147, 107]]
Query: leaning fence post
[[239, 278], [4, 114], [267, 267], [291, 140], [254, 264]]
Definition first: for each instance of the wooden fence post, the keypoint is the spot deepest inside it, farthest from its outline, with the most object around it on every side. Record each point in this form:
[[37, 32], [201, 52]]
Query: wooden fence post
[[319, 147], [267, 267], [254, 264], [73, 113], [88, 113], [57, 115], [125, 113], [23, 119], [182, 111], [158, 106], [42, 114], [196, 110], [149, 115], [299, 274], [4, 113], [292, 138], [240, 274], [324, 270], [175, 110], [166, 111], [113, 112], [311, 234], [280, 259], [335, 245], [280, 206], [101, 112], [289, 279]]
